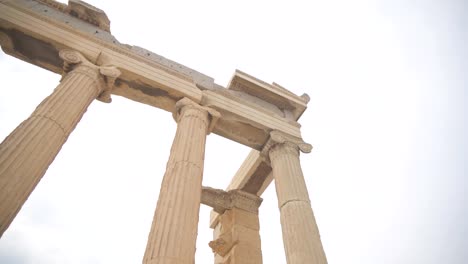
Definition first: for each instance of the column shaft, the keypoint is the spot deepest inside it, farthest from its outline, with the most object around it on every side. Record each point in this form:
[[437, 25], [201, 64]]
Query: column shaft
[[237, 238], [173, 234], [28, 151], [300, 233], [237, 228]]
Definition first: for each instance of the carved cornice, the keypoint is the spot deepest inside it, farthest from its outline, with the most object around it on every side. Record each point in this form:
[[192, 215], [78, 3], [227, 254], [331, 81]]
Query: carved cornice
[[112, 45], [213, 115], [279, 138], [221, 200], [73, 60]]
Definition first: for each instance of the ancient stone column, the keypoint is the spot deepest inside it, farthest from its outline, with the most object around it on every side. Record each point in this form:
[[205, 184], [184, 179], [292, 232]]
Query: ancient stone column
[[236, 229], [301, 237], [173, 234], [28, 151]]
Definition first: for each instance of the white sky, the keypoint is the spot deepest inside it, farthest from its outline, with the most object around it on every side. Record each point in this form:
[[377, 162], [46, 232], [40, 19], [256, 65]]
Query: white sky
[[387, 118]]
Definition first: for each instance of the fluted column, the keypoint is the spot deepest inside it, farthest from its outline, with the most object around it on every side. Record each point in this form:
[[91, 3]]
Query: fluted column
[[301, 237], [173, 234], [28, 151]]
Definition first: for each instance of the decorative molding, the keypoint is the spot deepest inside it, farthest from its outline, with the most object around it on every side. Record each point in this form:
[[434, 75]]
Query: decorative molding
[[213, 115], [111, 45], [280, 138], [254, 117], [108, 74], [221, 200], [71, 58], [289, 103]]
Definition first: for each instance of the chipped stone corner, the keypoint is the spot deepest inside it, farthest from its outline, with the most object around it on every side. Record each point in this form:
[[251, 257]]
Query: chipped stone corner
[[83, 11]]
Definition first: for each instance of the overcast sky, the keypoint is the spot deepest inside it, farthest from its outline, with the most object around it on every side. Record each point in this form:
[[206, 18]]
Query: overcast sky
[[387, 118]]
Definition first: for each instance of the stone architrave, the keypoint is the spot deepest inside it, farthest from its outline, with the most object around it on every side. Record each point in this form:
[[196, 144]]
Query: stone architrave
[[301, 237], [28, 151], [172, 239]]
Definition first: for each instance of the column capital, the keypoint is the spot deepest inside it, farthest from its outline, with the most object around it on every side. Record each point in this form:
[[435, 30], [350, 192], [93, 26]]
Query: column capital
[[185, 103], [107, 74], [292, 143], [236, 230], [221, 200]]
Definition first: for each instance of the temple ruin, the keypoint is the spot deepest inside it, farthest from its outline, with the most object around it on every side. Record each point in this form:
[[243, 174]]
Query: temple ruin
[[74, 40]]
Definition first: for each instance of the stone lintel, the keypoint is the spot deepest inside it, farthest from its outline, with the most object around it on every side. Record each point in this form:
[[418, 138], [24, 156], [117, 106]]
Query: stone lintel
[[272, 93], [35, 32], [38, 31], [254, 175], [244, 123], [81, 10], [221, 200]]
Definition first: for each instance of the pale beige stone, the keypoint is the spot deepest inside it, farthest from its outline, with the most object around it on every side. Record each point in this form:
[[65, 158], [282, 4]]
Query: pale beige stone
[[245, 124], [253, 176], [146, 77], [301, 237], [89, 14], [250, 110], [173, 233], [28, 151], [149, 78], [221, 200], [236, 231], [291, 105], [237, 238]]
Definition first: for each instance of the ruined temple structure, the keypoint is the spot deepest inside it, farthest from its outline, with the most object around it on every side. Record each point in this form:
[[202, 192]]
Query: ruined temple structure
[[74, 40]]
